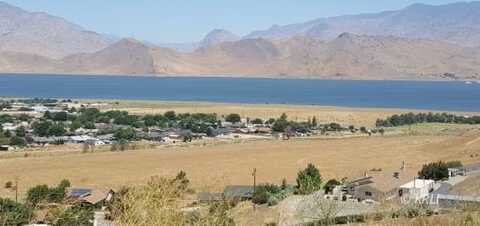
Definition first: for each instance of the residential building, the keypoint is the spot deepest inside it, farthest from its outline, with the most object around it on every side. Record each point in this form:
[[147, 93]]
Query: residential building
[[416, 191]]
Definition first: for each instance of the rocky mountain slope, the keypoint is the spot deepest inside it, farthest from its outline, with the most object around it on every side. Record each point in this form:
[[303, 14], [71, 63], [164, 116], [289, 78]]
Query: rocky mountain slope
[[43, 34], [457, 23], [419, 42], [348, 56]]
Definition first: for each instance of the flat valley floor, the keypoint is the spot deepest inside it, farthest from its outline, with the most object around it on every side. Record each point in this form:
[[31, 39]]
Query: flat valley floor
[[213, 165]]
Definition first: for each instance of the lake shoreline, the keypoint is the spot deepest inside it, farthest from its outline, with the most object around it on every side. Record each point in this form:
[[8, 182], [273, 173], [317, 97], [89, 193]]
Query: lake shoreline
[[411, 78]]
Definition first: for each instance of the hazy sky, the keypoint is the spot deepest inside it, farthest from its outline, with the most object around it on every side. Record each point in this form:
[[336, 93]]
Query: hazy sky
[[190, 20]]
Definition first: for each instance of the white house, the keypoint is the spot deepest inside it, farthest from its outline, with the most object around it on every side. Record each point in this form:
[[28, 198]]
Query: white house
[[416, 191]]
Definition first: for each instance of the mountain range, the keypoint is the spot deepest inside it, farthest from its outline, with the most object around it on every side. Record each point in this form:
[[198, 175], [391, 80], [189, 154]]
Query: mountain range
[[417, 42]]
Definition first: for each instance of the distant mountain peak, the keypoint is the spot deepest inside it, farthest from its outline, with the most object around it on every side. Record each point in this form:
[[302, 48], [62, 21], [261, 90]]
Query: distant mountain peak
[[218, 36], [40, 33]]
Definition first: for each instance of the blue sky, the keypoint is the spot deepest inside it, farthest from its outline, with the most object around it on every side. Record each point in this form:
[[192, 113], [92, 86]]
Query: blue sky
[[190, 20]]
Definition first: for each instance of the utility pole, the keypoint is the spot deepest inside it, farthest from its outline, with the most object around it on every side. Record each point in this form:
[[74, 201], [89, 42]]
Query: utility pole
[[16, 189], [254, 174]]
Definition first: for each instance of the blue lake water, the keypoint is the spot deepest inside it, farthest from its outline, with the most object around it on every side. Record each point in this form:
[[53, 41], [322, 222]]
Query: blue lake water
[[446, 96]]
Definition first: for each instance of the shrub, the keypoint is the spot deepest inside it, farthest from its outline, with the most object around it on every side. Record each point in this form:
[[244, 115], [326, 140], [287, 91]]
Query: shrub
[[8, 185], [12, 213]]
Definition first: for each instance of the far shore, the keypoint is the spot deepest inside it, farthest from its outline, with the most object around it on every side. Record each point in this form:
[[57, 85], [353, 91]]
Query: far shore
[[411, 77]]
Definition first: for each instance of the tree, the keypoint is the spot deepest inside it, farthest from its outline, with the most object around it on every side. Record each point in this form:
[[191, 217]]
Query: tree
[[18, 141], [20, 131], [314, 122], [75, 125], [257, 121], [57, 129], [233, 118], [281, 124], [60, 116], [41, 128], [309, 180], [434, 171], [125, 134], [330, 185], [170, 115]]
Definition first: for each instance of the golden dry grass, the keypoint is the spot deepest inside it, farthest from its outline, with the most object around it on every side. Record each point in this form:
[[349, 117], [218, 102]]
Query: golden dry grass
[[232, 163]]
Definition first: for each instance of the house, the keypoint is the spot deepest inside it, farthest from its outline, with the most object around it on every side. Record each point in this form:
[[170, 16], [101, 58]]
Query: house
[[453, 172], [90, 196], [416, 191], [238, 192], [379, 185]]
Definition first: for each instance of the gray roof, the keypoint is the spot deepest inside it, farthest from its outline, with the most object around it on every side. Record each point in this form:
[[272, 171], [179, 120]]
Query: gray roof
[[207, 196], [238, 191]]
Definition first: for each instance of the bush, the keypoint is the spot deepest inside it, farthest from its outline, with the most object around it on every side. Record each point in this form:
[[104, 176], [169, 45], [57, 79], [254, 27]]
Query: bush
[[42, 193], [309, 180], [263, 193], [75, 215], [8, 185], [12, 213]]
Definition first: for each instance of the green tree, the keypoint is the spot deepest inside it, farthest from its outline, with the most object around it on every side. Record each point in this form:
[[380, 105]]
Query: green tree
[[257, 121], [314, 122], [309, 180], [125, 134], [281, 124], [60, 116], [330, 185], [170, 115], [18, 141], [57, 129], [75, 125], [20, 131], [233, 118], [434, 171], [41, 128]]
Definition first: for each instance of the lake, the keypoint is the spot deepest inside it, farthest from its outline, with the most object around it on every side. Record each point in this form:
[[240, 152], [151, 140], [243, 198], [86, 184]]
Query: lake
[[435, 95]]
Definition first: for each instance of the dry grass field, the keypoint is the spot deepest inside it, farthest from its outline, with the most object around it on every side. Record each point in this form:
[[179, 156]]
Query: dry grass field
[[232, 163]]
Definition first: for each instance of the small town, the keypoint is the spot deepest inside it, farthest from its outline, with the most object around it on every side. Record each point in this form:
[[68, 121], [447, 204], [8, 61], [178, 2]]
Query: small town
[[34, 124]]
